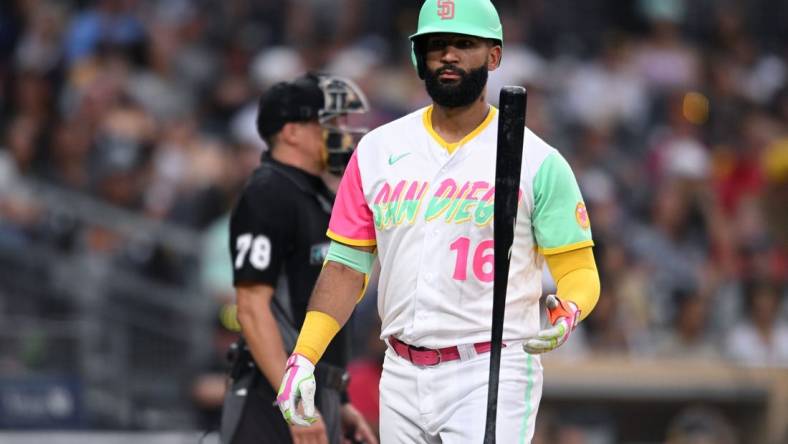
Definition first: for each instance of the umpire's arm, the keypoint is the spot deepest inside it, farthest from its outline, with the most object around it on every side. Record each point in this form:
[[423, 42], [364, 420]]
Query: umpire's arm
[[260, 330]]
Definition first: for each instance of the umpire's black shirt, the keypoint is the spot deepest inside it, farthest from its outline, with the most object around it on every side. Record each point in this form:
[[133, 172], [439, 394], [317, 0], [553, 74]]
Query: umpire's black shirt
[[278, 237]]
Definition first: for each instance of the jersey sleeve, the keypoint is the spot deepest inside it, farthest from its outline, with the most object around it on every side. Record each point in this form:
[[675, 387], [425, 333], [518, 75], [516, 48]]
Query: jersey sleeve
[[560, 220], [260, 233], [352, 221]]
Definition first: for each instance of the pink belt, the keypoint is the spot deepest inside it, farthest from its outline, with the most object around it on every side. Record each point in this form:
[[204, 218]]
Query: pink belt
[[432, 356]]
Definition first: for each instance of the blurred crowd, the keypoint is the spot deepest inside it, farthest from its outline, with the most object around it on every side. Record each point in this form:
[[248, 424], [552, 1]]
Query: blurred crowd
[[673, 115]]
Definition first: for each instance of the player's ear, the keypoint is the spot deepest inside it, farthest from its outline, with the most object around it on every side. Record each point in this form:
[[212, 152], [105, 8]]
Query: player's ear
[[494, 57]]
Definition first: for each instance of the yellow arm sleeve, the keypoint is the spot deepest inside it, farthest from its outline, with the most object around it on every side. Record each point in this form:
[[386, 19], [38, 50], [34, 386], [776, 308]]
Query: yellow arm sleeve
[[316, 333], [576, 278], [320, 328]]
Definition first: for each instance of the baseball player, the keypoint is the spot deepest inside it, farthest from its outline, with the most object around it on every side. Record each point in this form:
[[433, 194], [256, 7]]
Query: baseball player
[[278, 245], [418, 195]]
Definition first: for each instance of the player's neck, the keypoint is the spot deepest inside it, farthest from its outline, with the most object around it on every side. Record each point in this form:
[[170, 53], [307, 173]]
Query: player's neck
[[452, 124], [289, 155]]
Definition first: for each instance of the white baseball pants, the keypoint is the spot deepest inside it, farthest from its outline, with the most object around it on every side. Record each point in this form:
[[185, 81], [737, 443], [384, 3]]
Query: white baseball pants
[[447, 403]]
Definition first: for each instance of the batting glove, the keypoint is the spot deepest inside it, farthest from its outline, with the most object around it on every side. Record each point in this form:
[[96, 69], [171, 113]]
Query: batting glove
[[563, 318], [298, 384]]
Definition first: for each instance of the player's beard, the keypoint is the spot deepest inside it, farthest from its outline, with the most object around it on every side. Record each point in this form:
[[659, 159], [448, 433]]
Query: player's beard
[[455, 95]]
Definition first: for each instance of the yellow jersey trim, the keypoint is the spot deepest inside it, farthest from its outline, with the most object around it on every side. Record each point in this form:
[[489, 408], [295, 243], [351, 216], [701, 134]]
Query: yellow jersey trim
[[451, 147], [565, 248], [352, 242]]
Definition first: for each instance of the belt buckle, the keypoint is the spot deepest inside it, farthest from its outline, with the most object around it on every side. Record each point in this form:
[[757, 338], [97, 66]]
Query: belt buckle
[[410, 355], [440, 356], [410, 349]]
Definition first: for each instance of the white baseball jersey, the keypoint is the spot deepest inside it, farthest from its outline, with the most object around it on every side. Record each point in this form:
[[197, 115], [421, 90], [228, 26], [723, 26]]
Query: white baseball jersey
[[428, 206]]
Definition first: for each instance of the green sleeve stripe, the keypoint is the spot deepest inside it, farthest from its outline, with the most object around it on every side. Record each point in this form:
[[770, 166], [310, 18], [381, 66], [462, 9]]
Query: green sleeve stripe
[[358, 260]]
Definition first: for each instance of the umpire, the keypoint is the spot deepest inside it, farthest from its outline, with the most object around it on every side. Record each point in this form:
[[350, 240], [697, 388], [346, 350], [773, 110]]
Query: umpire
[[278, 244]]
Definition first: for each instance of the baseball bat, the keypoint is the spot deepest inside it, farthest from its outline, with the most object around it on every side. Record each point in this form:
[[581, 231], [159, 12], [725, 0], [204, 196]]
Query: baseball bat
[[508, 163]]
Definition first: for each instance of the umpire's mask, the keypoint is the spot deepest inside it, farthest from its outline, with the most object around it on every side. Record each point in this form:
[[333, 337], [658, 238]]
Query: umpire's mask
[[343, 103], [334, 102]]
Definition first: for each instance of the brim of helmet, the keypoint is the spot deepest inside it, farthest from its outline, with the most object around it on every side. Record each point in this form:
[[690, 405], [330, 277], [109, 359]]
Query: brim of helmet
[[471, 31]]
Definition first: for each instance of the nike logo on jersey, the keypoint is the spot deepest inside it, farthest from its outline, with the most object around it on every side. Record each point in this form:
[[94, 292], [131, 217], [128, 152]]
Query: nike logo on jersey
[[394, 159]]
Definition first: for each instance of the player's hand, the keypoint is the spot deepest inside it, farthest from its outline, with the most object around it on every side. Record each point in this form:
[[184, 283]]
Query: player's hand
[[354, 425], [298, 384], [313, 434], [563, 318]]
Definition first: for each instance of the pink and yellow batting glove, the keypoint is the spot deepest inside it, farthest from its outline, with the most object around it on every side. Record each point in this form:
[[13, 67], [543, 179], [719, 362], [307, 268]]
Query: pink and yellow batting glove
[[298, 384], [563, 317]]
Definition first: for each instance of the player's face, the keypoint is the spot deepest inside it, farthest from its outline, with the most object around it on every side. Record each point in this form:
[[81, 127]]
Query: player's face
[[457, 68]]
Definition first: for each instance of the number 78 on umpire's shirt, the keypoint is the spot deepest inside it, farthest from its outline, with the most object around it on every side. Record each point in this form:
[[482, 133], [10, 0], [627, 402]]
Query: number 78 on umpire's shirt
[[428, 207]]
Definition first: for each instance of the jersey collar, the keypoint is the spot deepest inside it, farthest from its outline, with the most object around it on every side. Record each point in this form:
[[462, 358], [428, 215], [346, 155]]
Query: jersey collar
[[451, 147]]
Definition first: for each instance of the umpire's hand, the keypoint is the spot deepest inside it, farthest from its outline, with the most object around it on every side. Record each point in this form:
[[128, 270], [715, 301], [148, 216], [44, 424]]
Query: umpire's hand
[[356, 427], [313, 434]]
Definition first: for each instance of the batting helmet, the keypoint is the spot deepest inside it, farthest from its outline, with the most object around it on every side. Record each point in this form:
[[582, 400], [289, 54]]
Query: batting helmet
[[477, 18]]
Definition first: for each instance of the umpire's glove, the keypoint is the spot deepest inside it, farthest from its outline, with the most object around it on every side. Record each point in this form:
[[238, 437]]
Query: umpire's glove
[[298, 384], [563, 318]]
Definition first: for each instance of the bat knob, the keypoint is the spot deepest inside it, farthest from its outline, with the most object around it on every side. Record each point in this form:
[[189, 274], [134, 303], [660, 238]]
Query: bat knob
[[551, 302]]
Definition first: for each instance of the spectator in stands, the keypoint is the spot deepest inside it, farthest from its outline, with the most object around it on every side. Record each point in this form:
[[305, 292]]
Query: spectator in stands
[[18, 211], [699, 424], [40, 47], [761, 339], [666, 60], [33, 96], [688, 338], [607, 90], [106, 22], [672, 246], [622, 322], [775, 161], [69, 151]]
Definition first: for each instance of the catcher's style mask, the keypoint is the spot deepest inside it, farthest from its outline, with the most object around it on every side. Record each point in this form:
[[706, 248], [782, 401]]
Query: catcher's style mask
[[328, 99], [341, 98]]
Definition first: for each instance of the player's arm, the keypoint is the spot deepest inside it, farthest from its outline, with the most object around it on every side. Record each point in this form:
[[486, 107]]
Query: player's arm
[[347, 267], [577, 289], [260, 329], [340, 285], [562, 231], [576, 278]]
